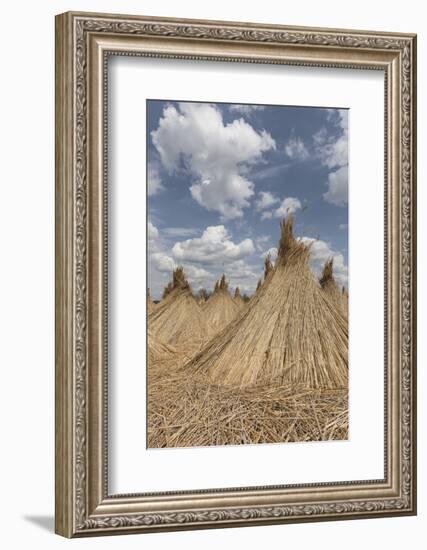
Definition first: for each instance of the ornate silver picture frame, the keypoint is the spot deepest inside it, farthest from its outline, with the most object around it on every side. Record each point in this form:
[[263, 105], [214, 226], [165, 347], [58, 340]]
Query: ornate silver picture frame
[[84, 42]]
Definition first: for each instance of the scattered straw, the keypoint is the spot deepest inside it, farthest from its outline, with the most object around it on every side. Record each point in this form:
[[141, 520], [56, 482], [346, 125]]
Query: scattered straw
[[187, 412]]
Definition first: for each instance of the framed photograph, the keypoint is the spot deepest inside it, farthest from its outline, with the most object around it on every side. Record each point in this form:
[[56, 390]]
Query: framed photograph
[[235, 274]]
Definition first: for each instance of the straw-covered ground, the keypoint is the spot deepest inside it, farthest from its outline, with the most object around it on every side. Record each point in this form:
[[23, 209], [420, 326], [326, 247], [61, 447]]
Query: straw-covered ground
[[184, 411]]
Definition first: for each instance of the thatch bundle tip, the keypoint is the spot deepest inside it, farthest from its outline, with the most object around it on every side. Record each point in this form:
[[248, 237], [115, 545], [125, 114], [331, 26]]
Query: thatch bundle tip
[[327, 273], [179, 279], [222, 284], [268, 265]]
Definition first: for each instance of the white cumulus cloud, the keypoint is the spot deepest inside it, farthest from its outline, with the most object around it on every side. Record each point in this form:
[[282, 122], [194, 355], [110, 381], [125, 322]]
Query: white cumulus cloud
[[214, 247], [261, 241], [153, 232], [163, 262], [245, 109], [266, 215], [332, 150], [154, 184], [215, 155], [289, 205], [265, 200], [196, 274], [179, 231], [337, 192], [242, 274], [273, 253], [296, 149]]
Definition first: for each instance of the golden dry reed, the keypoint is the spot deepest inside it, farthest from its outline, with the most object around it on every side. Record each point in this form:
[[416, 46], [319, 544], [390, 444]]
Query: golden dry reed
[[238, 298], [330, 287], [220, 309], [184, 411], [178, 320]]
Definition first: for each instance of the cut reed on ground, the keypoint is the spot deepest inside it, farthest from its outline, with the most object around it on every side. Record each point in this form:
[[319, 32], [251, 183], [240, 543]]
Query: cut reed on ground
[[273, 369], [184, 411]]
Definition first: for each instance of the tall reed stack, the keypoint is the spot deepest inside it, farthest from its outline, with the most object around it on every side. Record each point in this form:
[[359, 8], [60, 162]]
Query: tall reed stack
[[238, 298], [178, 320], [220, 309], [290, 333]]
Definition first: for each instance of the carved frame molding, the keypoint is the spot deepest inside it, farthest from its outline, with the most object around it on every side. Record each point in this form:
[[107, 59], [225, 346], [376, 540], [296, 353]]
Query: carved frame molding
[[83, 506]]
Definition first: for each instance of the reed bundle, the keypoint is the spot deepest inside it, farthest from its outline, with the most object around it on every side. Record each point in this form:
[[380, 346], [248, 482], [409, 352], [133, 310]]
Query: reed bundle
[[178, 320], [330, 287], [291, 332], [220, 309], [238, 298]]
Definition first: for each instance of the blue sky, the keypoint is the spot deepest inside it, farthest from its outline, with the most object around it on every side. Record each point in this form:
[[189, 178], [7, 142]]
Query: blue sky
[[220, 177]]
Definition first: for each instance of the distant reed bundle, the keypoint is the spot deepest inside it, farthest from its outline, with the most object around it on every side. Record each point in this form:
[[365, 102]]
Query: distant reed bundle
[[268, 266], [202, 297], [329, 285], [178, 320], [291, 331], [150, 304], [220, 309], [238, 298]]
